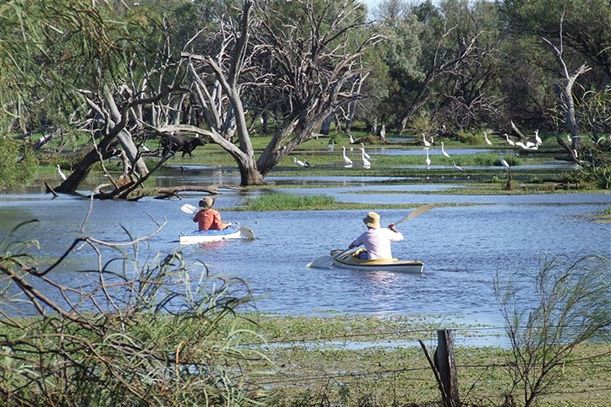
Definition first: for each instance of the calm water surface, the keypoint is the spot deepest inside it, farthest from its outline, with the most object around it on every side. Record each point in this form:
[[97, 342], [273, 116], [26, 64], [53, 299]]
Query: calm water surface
[[462, 246]]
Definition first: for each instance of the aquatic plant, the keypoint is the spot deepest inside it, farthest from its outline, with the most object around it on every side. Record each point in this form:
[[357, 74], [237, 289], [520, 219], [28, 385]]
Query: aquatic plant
[[281, 201]]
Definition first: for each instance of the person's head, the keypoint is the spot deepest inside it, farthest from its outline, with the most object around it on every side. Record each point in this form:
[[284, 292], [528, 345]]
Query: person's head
[[206, 202], [372, 220]]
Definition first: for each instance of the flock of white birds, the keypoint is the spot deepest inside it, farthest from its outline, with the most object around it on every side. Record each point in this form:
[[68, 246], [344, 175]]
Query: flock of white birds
[[428, 144]]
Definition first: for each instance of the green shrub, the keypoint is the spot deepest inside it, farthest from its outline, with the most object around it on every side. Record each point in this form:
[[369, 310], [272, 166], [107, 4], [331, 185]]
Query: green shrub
[[17, 164]]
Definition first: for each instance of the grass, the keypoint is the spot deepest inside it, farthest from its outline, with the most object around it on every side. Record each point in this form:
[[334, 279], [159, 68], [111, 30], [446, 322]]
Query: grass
[[283, 201], [321, 361], [604, 216]]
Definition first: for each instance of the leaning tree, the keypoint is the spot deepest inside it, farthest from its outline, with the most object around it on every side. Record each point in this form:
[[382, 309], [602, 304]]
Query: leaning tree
[[299, 60]]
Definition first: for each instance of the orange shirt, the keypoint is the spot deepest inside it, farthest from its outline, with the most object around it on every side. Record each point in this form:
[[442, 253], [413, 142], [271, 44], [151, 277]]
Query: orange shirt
[[209, 219]]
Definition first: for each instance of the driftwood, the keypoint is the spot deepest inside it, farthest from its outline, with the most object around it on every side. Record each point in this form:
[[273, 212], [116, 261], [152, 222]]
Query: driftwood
[[156, 192]]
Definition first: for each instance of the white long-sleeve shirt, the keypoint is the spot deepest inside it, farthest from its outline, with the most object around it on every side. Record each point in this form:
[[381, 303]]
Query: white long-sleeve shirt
[[378, 242]]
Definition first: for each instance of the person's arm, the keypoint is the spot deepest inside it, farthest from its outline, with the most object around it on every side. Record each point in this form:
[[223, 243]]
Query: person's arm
[[357, 242], [395, 236], [219, 222], [196, 216]]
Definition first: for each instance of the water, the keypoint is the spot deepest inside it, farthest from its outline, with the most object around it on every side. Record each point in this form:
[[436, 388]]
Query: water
[[463, 247]]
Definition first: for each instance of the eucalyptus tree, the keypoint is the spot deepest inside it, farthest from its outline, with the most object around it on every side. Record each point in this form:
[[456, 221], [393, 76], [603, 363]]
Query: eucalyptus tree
[[430, 44], [299, 61], [569, 39]]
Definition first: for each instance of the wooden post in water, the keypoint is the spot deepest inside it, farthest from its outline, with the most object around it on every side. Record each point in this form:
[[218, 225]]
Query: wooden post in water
[[446, 366]]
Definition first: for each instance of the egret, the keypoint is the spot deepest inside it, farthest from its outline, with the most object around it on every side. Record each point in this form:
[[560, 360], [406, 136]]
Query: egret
[[351, 139], [366, 162], [426, 143], [444, 151], [300, 163], [537, 138], [428, 160], [521, 145], [459, 168], [347, 161], [61, 173], [364, 153], [504, 163], [509, 141], [486, 138], [330, 146], [383, 132]]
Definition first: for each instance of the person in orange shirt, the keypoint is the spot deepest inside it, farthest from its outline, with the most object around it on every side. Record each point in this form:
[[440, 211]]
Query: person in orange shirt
[[208, 218]]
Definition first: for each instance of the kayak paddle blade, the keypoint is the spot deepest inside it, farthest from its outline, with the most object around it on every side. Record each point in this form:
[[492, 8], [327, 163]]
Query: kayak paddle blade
[[247, 233], [190, 209], [323, 262]]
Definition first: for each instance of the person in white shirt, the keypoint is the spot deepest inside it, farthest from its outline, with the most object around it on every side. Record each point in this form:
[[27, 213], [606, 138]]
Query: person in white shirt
[[376, 240]]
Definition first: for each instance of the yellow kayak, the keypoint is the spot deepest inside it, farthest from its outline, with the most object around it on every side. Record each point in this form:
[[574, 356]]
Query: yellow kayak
[[346, 260]]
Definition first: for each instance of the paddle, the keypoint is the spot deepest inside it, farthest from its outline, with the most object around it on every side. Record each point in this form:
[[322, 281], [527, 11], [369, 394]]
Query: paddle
[[247, 233], [327, 261], [416, 212]]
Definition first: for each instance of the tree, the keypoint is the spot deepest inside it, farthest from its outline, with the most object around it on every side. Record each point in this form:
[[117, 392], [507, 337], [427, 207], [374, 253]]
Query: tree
[[431, 45], [572, 307], [566, 93], [299, 61]]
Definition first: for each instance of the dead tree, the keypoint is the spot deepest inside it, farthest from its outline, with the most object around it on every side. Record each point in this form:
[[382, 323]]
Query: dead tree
[[297, 70], [315, 61], [566, 94]]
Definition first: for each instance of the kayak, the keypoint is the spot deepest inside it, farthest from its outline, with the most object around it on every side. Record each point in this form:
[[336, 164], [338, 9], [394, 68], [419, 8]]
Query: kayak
[[346, 260], [206, 236]]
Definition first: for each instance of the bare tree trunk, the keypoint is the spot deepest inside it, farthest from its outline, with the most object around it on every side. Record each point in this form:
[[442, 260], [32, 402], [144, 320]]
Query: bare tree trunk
[[567, 92], [326, 125]]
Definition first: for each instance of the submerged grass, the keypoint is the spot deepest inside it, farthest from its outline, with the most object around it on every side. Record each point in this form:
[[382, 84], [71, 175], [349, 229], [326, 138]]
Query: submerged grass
[[283, 201]]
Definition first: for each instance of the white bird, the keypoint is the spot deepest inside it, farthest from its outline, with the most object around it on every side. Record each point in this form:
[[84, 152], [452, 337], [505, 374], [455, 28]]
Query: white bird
[[459, 168], [363, 152], [61, 173], [366, 162], [504, 163], [521, 145], [300, 163], [428, 160], [351, 139], [486, 138], [347, 161], [537, 138], [383, 132], [330, 146], [509, 141], [444, 151], [425, 142]]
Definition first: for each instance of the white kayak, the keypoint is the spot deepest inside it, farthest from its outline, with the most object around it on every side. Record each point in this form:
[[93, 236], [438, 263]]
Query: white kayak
[[343, 259], [207, 236]]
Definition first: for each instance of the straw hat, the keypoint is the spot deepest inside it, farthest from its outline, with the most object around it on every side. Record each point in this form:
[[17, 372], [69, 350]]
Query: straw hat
[[372, 220], [206, 202]]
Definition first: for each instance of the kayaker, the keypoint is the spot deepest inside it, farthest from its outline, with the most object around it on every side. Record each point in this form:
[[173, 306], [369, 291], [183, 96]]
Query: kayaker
[[208, 218], [376, 240]]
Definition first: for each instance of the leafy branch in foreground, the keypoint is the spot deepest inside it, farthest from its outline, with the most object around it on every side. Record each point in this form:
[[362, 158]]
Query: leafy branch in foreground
[[119, 333], [571, 307]]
